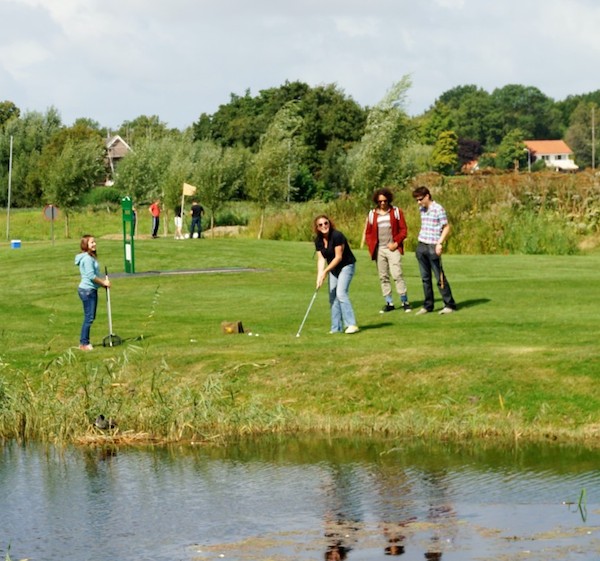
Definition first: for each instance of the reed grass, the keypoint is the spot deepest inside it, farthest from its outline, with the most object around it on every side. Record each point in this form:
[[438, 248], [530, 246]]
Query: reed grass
[[542, 213]]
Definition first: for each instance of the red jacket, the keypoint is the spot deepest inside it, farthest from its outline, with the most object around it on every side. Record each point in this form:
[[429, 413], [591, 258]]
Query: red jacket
[[399, 230]]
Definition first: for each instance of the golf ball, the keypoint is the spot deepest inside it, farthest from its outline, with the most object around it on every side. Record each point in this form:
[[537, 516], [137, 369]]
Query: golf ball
[[297, 334]]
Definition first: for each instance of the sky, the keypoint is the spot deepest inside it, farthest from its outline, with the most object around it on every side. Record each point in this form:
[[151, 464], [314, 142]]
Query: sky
[[115, 60]]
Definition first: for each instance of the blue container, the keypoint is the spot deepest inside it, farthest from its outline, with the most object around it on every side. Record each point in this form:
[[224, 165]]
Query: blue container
[[15, 244]]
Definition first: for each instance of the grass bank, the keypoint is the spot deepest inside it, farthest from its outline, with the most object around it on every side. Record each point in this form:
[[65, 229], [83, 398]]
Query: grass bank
[[519, 360]]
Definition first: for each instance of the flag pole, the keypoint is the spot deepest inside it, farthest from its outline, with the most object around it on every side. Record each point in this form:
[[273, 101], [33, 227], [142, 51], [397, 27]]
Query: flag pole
[[182, 204], [188, 190], [9, 188]]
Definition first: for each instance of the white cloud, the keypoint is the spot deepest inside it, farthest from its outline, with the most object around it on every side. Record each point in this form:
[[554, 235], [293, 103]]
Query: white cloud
[[354, 27], [19, 56], [113, 60]]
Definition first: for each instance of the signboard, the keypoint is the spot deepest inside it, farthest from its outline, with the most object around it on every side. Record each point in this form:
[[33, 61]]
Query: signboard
[[129, 220], [51, 213]]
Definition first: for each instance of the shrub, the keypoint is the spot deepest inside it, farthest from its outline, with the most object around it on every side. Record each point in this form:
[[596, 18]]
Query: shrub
[[230, 218], [102, 195]]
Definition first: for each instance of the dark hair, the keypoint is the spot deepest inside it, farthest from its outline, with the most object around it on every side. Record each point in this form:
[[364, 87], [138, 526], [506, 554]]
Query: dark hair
[[317, 218], [421, 191], [84, 244], [385, 192]]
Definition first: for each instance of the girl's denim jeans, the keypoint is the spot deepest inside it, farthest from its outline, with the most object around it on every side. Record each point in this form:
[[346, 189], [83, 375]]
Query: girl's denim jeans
[[89, 298], [342, 314]]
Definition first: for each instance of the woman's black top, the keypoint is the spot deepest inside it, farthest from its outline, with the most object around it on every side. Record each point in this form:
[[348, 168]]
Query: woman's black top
[[335, 238]]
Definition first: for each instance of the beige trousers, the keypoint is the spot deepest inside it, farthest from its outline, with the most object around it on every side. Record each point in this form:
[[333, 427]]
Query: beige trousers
[[389, 265]]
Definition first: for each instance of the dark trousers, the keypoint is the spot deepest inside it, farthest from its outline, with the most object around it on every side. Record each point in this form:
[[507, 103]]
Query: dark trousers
[[196, 223], [430, 262], [155, 223]]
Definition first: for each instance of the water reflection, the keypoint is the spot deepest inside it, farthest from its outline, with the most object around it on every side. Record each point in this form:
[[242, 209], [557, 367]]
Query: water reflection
[[299, 499], [343, 515]]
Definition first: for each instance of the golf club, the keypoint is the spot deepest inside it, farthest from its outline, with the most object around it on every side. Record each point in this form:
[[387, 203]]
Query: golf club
[[307, 312], [111, 340]]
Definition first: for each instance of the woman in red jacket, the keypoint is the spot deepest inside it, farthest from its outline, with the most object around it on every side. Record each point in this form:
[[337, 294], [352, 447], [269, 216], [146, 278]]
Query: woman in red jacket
[[385, 232]]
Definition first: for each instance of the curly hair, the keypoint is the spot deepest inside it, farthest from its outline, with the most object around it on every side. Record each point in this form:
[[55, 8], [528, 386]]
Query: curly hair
[[386, 193]]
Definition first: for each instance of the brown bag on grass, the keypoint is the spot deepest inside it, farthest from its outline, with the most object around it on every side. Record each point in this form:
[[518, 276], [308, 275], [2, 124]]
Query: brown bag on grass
[[229, 327]]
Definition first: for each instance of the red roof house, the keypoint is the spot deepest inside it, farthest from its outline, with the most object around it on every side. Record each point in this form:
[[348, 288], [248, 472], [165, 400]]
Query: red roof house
[[555, 154]]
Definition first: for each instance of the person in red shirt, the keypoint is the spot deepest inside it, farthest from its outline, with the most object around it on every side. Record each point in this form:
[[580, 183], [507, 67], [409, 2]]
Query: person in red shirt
[[385, 232], [155, 212]]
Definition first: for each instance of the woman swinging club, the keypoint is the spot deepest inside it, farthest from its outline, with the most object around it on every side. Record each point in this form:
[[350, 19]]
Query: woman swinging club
[[336, 262], [88, 287]]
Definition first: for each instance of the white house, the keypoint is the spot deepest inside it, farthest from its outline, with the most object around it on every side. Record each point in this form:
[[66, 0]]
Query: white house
[[555, 154], [116, 150]]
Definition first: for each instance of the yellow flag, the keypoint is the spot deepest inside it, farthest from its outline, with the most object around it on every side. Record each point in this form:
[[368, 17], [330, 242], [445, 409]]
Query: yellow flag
[[189, 190]]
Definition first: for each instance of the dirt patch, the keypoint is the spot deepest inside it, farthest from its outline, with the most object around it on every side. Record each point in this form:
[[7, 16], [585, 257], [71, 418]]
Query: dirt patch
[[225, 231]]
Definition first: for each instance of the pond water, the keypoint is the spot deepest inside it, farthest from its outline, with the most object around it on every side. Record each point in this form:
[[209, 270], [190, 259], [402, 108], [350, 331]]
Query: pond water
[[300, 499]]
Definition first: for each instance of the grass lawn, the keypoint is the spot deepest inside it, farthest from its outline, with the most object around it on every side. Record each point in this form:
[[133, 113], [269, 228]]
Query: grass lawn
[[519, 360]]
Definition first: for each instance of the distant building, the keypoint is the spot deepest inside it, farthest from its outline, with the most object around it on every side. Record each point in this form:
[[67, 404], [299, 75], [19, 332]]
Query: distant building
[[470, 167], [116, 150], [555, 154]]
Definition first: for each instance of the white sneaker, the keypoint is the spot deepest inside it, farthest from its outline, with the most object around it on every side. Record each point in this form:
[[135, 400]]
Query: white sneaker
[[446, 310], [352, 329], [422, 311]]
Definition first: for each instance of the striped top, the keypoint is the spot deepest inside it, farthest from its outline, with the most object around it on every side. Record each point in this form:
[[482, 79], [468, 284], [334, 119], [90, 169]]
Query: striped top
[[384, 229], [433, 220]]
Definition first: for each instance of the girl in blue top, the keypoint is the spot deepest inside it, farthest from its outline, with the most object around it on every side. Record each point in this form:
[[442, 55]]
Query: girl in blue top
[[88, 287]]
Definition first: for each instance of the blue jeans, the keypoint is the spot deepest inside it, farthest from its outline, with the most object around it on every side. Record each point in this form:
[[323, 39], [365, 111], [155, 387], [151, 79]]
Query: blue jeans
[[342, 314], [89, 297], [430, 261]]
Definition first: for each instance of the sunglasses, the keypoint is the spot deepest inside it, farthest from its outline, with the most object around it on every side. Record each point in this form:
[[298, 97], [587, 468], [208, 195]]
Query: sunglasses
[[321, 224], [382, 201], [419, 199]]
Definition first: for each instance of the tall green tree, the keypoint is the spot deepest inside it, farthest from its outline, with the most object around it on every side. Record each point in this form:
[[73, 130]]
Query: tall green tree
[[436, 120], [444, 158], [74, 168], [568, 105], [141, 175], [328, 117], [178, 155], [512, 152], [8, 110], [475, 118], [30, 132], [583, 132], [269, 173], [218, 173], [144, 128], [376, 160], [528, 109]]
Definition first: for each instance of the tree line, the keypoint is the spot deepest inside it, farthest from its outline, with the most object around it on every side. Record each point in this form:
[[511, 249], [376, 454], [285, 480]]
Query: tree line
[[288, 143]]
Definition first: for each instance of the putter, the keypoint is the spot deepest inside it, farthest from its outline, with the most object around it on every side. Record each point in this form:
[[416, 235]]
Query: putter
[[307, 312], [111, 340]]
